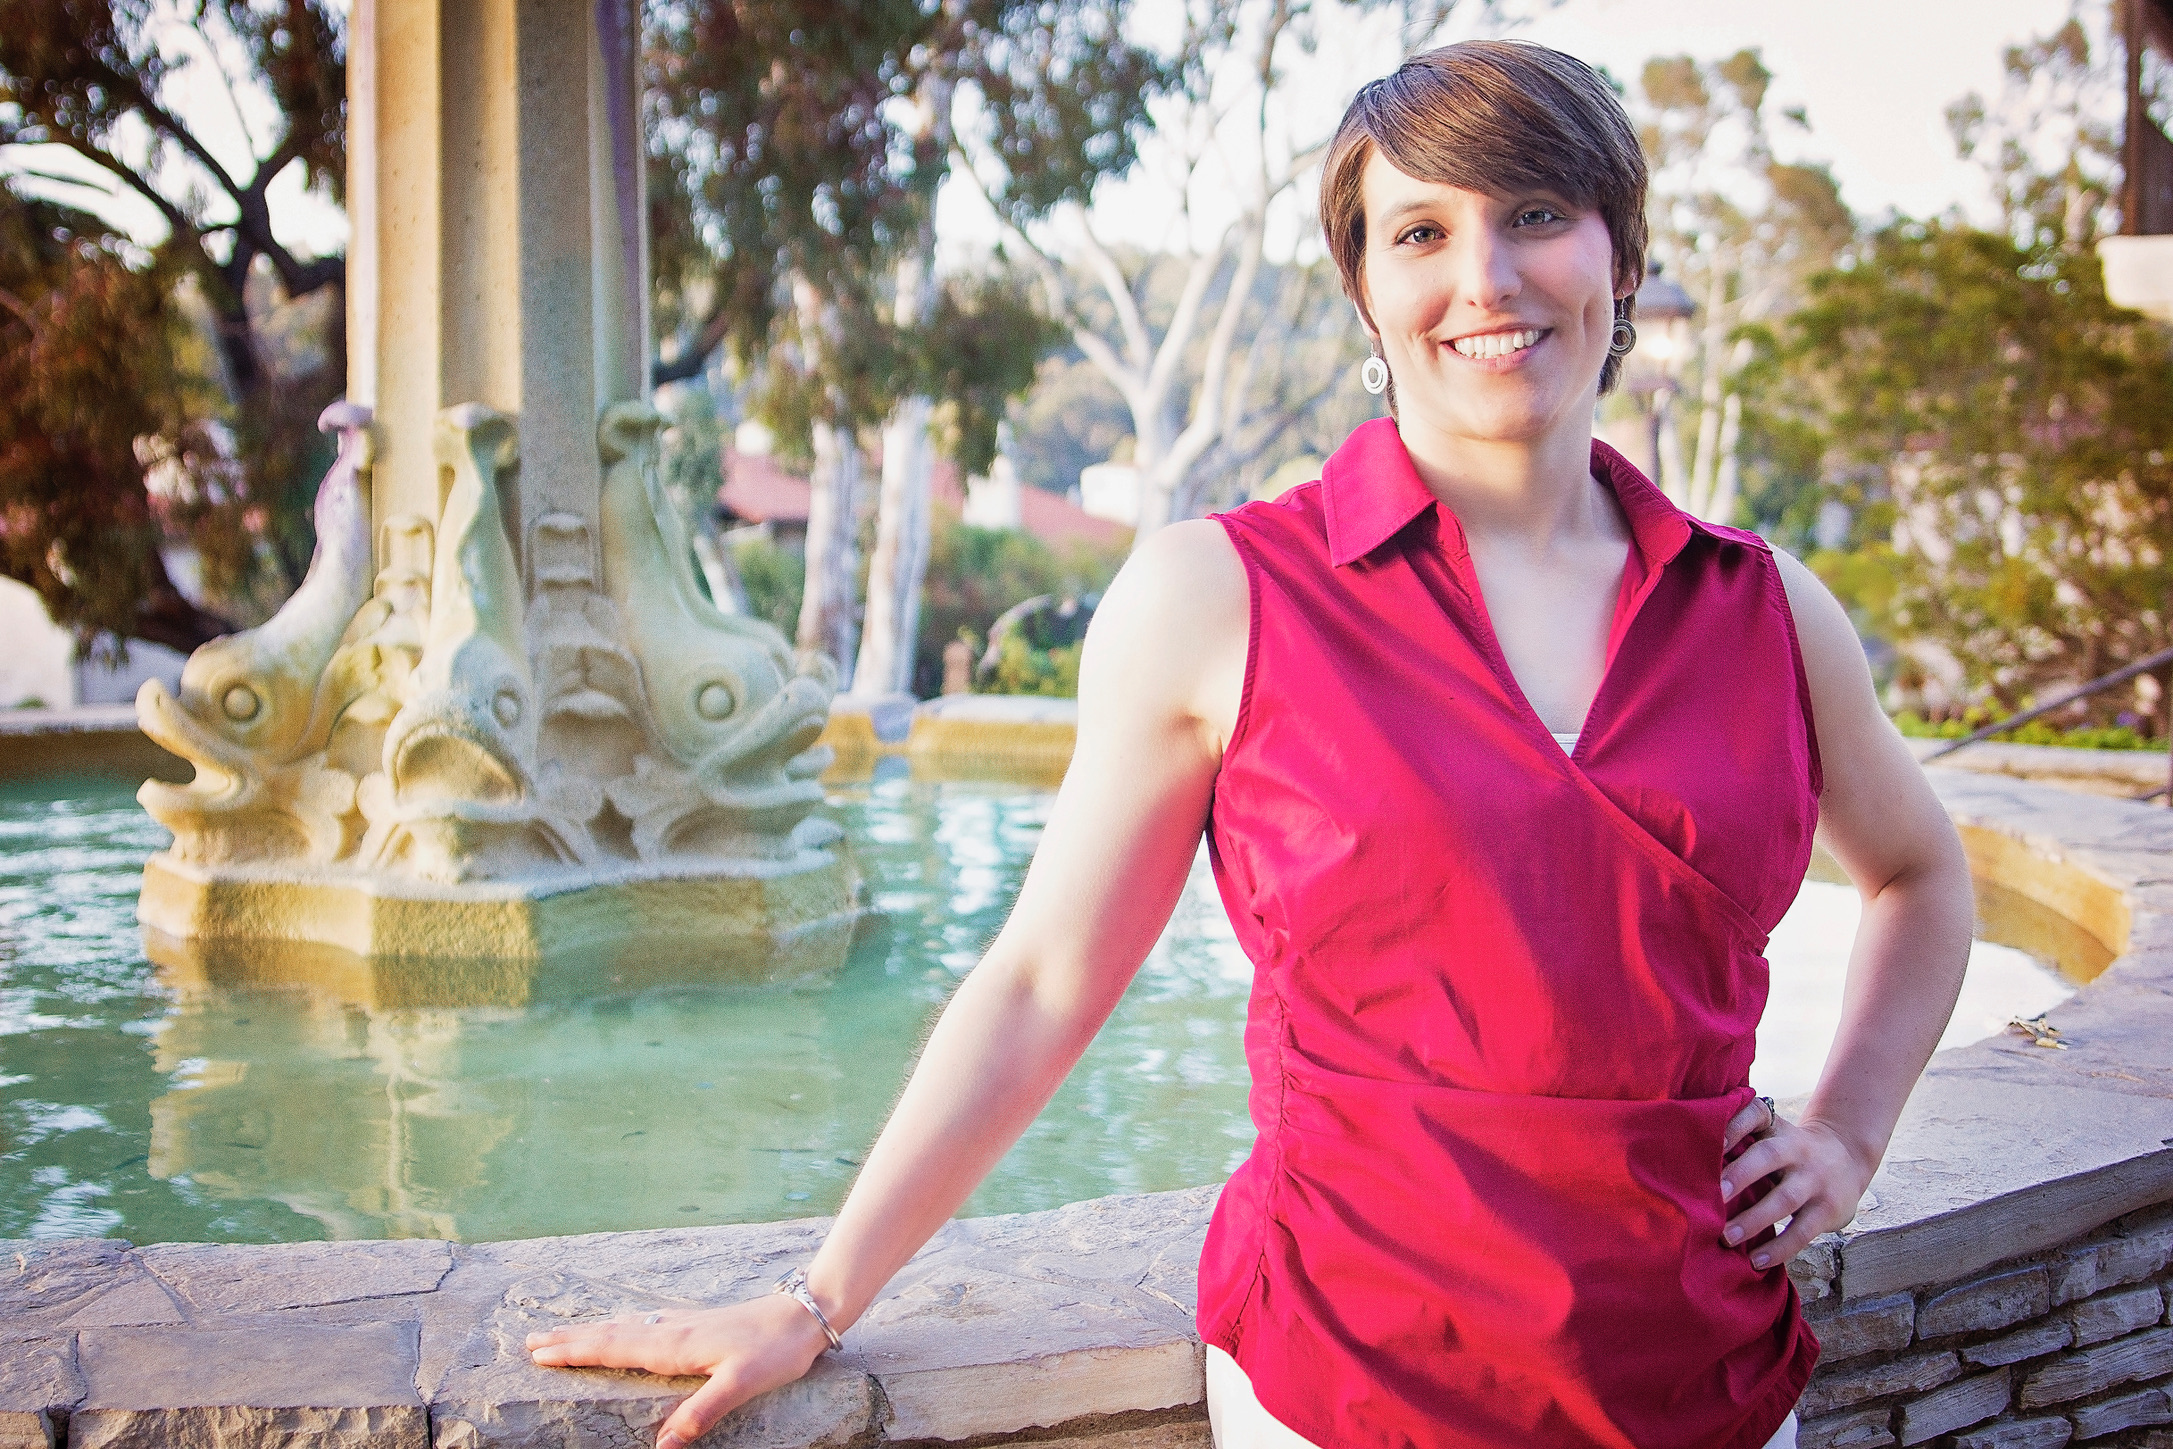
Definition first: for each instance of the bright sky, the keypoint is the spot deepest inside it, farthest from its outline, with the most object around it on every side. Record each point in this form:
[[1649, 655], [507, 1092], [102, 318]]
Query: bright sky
[[1875, 75]]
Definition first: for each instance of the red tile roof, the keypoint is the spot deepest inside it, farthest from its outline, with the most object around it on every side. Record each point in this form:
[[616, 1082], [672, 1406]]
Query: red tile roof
[[757, 489], [1055, 520]]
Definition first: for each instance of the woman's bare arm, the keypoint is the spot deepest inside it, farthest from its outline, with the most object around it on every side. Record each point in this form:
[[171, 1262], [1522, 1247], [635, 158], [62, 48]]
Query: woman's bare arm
[[1881, 821], [1159, 683]]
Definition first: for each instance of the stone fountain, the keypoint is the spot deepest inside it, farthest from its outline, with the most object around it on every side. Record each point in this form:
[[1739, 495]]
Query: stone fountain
[[499, 724]]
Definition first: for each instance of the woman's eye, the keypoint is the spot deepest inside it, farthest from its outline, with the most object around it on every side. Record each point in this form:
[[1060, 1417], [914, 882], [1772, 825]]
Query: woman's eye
[[1423, 235], [1537, 216]]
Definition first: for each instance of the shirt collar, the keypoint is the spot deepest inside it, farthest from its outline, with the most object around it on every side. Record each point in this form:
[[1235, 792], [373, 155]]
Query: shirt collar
[[1371, 492]]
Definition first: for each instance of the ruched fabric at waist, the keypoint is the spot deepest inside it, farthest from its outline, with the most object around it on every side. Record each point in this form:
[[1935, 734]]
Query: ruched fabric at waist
[[1407, 1264]]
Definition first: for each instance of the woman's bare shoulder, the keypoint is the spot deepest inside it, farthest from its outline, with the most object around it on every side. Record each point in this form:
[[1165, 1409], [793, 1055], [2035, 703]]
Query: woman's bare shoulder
[[1170, 637], [1187, 575]]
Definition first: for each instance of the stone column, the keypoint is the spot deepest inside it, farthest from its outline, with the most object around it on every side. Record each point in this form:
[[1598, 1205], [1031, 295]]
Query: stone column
[[498, 701], [495, 188]]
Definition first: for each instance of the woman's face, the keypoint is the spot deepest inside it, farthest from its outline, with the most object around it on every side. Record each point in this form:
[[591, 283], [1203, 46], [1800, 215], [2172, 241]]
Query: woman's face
[[1494, 311]]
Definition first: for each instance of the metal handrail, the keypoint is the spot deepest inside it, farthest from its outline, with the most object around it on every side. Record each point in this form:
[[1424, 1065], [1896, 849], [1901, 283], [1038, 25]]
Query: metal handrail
[[2160, 660]]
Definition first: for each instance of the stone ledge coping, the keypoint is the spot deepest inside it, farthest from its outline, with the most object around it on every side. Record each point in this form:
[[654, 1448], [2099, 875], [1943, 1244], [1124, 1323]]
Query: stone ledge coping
[[79, 719], [1078, 1318], [99, 740], [1073, 1324], [2123, 773]]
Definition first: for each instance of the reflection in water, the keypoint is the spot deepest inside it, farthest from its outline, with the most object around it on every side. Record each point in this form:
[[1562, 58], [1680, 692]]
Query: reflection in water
[[328, 1112], [377, 1105]]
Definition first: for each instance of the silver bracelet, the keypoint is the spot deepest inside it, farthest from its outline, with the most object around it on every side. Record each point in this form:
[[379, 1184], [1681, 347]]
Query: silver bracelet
[[794, 1286]]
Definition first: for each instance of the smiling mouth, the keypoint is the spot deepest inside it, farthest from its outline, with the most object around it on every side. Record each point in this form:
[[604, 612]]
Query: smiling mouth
[[1487, 345]]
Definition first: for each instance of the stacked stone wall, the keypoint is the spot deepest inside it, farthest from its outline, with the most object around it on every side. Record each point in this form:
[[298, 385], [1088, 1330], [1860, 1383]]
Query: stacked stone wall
[[2068, 1347]]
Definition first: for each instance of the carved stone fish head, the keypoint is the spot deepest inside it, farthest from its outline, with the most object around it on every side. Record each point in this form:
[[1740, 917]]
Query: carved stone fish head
[[250, 700], [465, 740]]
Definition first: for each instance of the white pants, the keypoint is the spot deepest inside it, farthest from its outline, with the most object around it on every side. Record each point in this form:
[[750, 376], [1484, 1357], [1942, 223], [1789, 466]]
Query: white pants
[[1239, 1422]]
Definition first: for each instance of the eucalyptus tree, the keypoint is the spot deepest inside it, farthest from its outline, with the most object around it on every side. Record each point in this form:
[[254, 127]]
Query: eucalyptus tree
[[99, 80], [1742, 231], [799, 149]]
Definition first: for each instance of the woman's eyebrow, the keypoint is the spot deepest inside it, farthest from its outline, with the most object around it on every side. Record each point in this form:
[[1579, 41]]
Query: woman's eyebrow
[[1396, 215]]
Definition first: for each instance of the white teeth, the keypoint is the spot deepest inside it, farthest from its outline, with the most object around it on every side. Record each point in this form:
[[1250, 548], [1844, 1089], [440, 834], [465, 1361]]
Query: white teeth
[[1495, 344]]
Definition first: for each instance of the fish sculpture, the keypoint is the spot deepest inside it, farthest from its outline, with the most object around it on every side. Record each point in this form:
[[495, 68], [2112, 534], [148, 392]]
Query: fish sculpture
[[735, 717], [456, 798], [254, 708]]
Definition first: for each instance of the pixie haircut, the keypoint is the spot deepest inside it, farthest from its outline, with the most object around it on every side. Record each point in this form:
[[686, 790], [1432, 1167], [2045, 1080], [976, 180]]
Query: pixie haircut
[[1492, 116]]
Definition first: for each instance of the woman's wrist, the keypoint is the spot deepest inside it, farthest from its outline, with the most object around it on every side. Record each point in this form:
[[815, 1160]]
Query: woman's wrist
[[797, 1324]]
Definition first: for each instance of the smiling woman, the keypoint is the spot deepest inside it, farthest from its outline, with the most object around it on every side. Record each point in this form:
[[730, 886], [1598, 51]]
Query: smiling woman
[[1507, 769]]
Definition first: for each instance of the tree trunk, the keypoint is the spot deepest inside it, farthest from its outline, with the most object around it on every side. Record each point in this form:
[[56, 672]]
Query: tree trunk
[[829, 616], [829, 611], [1667, 429], [1162, 478], [1704, 469], [900, 560], [1726, 473], [167, 616]]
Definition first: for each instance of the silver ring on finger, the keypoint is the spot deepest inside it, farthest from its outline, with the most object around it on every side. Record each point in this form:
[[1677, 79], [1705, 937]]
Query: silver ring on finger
[[654, 1318], [1773, 1117]]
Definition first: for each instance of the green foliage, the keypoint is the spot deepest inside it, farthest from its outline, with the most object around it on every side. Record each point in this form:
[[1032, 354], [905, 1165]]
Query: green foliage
[[986, 340], [1023, 669], [2036, 732], [2010, 429], [974, 574], [244, 457], [774, 579], [2047, 142], [1741, 232], [86, 371], [799, 148]]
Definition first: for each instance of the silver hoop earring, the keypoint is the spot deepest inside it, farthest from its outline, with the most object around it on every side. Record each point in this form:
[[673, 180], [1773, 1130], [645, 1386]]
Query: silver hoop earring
[[1625, 338], [1373, 375]]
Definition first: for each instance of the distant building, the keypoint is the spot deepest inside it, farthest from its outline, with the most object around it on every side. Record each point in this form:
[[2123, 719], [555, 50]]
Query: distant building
[[761, 495], [40, 668], [1056, 521], [1111, 491], [2139, 262]]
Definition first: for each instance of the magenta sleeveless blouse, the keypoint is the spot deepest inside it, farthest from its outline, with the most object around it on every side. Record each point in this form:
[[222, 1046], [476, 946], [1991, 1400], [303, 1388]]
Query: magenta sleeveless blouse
[[1504, 997]]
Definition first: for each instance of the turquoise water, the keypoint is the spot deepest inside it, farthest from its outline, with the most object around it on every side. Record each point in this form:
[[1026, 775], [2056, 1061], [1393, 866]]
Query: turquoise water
[[133, 1110]]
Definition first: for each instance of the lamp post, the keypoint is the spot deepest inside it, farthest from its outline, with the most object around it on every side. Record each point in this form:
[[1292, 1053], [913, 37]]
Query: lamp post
[[1652, 375]]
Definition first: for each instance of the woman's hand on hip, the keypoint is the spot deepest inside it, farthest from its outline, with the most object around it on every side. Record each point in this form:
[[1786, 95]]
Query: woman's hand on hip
[[744, 1350], [1819, 1180]]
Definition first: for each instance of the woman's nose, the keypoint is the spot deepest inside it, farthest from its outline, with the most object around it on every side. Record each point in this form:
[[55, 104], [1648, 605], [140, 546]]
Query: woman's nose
[[1483, 268]]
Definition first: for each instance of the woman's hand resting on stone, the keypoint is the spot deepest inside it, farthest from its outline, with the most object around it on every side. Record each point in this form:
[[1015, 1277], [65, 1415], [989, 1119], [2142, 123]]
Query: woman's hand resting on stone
[[1820, 1180], [744, 1350]]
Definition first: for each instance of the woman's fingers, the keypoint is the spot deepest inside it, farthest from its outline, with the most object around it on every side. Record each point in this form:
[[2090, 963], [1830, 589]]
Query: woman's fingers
[[1782, 1200], [745, 1350], [1751, 1118], [1809, 1221], [1817, 1184], [701, 1409], [1762, 1158], [661, 1348]]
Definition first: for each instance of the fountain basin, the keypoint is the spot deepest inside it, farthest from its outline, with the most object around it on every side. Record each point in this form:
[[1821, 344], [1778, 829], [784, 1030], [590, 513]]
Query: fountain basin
[[499, 942]]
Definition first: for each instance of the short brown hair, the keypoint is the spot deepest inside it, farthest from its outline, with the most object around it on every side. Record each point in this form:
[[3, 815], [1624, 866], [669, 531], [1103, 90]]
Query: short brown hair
[[1491, 116]]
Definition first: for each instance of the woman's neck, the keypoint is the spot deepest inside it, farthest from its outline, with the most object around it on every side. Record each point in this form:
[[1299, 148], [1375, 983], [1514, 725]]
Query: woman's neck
[[1536, 491]]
